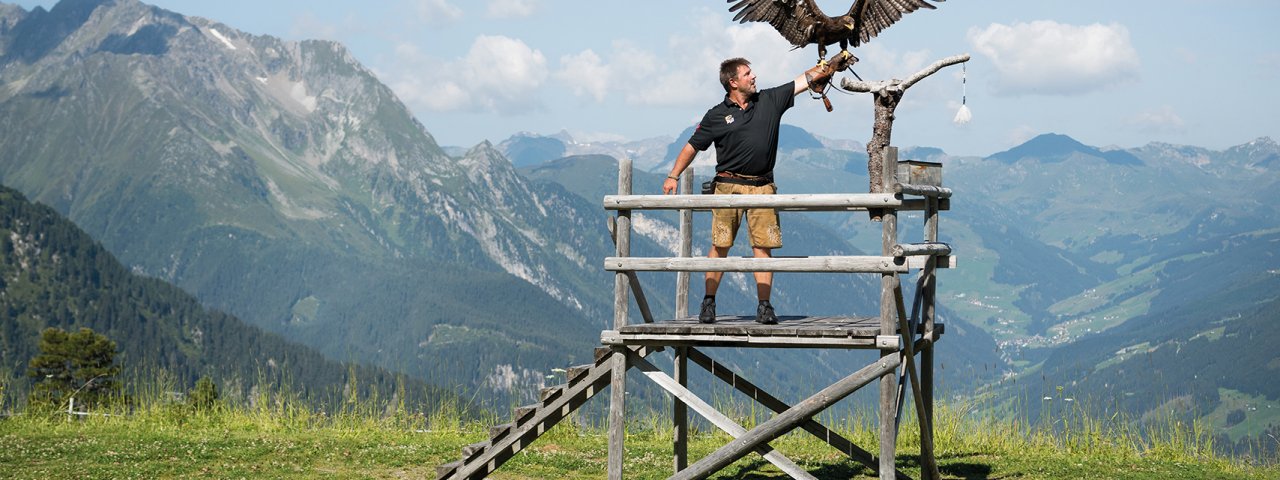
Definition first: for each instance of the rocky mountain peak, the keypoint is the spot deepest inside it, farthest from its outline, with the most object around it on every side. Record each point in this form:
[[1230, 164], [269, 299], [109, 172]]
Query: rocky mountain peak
[[1262, 153], [1053, 148]]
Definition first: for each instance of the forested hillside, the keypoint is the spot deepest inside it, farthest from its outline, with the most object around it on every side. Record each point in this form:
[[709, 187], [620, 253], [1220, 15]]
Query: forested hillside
[[52, 274]]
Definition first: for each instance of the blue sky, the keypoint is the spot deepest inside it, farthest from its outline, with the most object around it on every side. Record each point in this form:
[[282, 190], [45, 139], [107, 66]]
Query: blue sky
[[1109, 73]]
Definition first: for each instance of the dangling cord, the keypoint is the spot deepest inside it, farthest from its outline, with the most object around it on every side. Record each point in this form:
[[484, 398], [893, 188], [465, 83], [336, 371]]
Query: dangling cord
[[822, 94], [963, 115]]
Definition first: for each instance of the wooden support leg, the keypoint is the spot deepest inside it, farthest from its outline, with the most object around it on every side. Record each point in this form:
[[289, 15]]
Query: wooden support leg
[[790, 419], [716, 418], [888, 409], [749, 389], [887, 175], [680, 412], [617, 411], [928, 467]]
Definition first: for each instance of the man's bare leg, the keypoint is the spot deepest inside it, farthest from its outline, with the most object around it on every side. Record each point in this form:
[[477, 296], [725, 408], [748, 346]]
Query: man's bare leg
[[707, 311], [764, 280], [764, 286]]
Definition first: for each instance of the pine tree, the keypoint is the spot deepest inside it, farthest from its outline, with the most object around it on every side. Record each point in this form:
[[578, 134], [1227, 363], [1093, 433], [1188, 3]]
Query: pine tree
[[80, 364]]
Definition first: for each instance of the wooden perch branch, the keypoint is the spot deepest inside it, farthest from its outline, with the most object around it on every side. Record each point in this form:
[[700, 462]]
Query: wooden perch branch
[[901, 85], [887, 95]]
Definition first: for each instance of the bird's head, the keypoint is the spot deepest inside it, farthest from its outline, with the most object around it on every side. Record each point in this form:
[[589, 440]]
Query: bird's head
[[846, 21]]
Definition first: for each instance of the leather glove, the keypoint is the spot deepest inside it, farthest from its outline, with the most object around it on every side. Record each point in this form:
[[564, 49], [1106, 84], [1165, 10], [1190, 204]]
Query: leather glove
[[819, 75], [843, 60]]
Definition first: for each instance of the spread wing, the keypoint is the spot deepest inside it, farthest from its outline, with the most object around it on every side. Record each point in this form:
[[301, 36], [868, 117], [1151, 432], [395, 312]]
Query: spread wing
[[872, 16], [794, 19]]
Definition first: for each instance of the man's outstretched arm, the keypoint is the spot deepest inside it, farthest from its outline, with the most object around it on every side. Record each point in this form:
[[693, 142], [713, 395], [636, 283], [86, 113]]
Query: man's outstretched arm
[[682, 162]]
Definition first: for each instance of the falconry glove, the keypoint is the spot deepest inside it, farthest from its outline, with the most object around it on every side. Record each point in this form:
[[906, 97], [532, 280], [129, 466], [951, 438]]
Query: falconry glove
[[819, 77]]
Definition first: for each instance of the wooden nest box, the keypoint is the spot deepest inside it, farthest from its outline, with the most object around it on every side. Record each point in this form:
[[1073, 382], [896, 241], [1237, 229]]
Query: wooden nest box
[[916, 172]]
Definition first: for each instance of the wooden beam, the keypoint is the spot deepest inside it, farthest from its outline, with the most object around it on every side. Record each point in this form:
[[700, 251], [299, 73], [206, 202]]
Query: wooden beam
[[613, 337], [641, 300], [917, 249], [829, 264], [810, 202], [715, 417], [788, 420], [907, 205], [922, 190], [749, 389], [837, 264]]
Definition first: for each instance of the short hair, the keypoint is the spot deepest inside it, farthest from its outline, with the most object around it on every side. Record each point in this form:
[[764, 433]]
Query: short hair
[[729, 70]]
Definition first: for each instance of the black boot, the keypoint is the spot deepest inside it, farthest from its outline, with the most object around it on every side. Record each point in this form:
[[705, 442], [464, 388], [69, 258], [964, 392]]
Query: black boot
[[764, 313], [708, 312]]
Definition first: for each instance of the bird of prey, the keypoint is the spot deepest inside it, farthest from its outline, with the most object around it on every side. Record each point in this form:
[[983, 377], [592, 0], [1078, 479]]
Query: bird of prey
[[802, 23]]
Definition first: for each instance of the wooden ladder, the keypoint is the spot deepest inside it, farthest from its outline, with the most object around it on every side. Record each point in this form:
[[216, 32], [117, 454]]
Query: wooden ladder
[[531, 421]]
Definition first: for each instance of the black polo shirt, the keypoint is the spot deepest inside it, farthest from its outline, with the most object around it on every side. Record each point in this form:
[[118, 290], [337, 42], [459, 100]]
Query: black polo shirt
[[746, 140]]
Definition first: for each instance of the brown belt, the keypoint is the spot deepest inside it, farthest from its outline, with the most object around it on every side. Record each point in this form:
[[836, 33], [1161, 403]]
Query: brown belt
[[739, 179]]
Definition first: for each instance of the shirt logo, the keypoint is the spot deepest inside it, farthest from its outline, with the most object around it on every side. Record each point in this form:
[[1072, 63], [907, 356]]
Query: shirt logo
[[728, 119]]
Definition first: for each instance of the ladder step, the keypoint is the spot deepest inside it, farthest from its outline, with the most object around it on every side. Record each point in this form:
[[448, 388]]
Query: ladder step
[[523, 414], [446, 471], [575, 373], [470, 452], [497, 432], [551, 393], [602, 353]]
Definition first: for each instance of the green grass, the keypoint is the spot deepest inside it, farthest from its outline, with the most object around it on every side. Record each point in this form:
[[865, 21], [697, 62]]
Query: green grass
[[1260, 413], [280, 441]]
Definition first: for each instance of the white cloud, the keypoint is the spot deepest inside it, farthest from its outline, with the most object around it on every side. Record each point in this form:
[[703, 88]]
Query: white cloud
[[1162, 120], [437, 11], [1019, 135], [684, 72], [586, 74], [511, 8], [498, 74], [1046, 57]]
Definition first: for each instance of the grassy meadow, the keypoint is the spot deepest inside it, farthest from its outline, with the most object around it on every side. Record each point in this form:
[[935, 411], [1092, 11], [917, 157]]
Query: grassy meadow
[[277, 439]]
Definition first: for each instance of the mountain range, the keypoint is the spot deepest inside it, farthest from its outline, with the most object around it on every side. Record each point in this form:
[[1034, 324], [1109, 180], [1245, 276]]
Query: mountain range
[[281, 182]]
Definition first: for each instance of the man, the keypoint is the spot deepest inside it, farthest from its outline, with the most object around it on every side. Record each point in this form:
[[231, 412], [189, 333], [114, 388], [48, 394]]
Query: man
[[744, 129]]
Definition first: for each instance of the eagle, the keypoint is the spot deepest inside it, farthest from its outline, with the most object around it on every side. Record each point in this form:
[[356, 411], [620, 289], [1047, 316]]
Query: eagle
[[802, 23]]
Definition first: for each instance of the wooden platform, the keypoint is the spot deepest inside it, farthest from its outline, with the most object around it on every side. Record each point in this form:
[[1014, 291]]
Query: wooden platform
[[743, 331]]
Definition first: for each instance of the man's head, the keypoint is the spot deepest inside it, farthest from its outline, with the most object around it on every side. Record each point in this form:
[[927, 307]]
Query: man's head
[[736, 74]]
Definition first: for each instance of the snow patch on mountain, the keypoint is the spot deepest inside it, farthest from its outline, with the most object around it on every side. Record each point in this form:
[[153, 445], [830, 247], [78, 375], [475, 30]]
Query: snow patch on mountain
[[218, 35]]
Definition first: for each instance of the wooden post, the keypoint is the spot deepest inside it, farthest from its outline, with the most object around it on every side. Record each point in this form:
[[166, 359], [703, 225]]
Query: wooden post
[[686, 246], [926, 354], [888, 325], [621, 302], [680, 412], [622, 227]]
